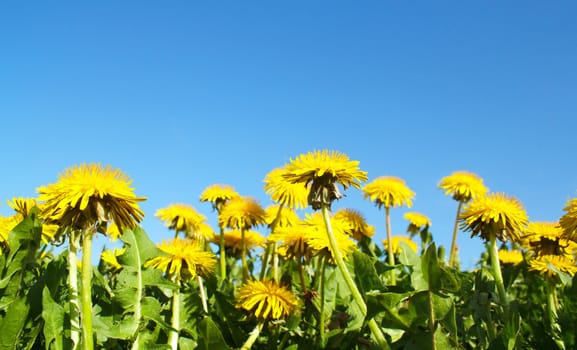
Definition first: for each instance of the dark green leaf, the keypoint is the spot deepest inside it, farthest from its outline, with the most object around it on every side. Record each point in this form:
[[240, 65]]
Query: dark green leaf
[[210, 337], [53, 315]]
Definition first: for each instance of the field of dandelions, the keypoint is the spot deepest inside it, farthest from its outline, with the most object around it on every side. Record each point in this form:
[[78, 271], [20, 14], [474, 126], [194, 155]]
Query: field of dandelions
[[316, 280]]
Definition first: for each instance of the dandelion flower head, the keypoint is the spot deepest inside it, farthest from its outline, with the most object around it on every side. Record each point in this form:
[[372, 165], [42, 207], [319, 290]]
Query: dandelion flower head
[[292, 195], [183, 259], [494, 214], [242, 213], [266, 300], [389, 191], [90, 194], [359, 227], [463, 186]]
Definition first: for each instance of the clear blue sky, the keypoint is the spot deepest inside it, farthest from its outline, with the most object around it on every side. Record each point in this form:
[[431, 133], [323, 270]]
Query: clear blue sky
[[181, 95]]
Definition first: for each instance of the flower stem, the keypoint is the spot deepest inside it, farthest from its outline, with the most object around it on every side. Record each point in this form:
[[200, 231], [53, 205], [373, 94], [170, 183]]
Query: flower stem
[[338, 257], [552, 311], [73, 289], [86, 290], [243, 256], [322, 296], [301, 275], [264, 262], [222, 254], [390, 252], [202, 294], [496, 267], [252, 337], [175, 319], [453, 254], [432, 321]]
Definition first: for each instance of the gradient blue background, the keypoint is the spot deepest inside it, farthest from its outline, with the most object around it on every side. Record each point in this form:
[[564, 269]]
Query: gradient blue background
[[181, 95]]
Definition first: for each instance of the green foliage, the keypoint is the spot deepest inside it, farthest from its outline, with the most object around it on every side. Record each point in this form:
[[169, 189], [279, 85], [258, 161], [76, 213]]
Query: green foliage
[[432, 305]]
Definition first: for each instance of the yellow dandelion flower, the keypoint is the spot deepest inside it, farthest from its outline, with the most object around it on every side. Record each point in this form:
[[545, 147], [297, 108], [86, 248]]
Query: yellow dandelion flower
[[357, 223], [543, 264], [242, 213], [568, 221], [286, 217], [184, 259], [321, 171], [218, 195], [7, 224], [203, 232], [417, 222], [291, 240], [494, 214], [180, 217], [111, 257], [396, 244], [463, 186], [22, 205], [266, 300], [113, 232], [546, 238], [318, 239], [90, 194], [233, 240], [49, 231], [389, 191], [292, 195], [511, 257]]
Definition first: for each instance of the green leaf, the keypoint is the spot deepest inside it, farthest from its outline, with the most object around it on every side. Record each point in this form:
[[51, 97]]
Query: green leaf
[[53, 315], [210, 337], [12, 325], [430, 268], [366, 276], [409, 258]]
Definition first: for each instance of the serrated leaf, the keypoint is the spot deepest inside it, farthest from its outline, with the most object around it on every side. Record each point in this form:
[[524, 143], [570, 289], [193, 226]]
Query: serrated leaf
[[366, 276], [53, 315], [12, 324], [430, 268], [209, 336]]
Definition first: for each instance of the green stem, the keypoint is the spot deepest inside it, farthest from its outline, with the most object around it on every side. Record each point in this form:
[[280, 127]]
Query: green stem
[[175, 319], [496, 267], [222, 254], [86, 290], [552, 311], [390, 252], [264, 262], [73, 289], [453, 254], [322, 296], [202, 294], [275, 262], [432, 321], [245, 273], [275, 269], [302, 275], [338, 257], [252, 337]]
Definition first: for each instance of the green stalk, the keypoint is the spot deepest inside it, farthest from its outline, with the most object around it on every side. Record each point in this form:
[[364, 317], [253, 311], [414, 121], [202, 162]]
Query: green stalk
[[252, 337], [73, 289], [552, 311], [202, 294], [432, 321], [322, 296], [390, 253], [222, 254], [275, 269], [86, 290], [245, 273], [338, 257], [175, 319], [264, 262], [496, 267], [453, 254], [302, 275]]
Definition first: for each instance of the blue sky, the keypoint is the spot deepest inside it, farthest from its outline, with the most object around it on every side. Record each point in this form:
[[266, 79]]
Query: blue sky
[[181, 95]]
